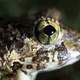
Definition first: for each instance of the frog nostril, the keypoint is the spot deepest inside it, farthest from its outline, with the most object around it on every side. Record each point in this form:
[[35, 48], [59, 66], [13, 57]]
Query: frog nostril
[[49, 30]]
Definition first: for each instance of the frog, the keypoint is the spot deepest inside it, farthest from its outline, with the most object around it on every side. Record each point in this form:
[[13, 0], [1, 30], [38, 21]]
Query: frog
[[51, 47], [56, 47]]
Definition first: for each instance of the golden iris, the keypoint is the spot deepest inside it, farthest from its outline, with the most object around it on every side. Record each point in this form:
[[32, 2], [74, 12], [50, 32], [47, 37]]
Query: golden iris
[[46, 31]]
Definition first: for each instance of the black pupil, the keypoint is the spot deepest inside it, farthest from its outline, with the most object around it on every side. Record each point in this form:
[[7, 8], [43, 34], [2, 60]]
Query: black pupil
[[49, 30]]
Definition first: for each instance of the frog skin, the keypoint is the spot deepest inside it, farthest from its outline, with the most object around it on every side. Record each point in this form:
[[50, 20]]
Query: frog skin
[[61, 51], [52, 48]]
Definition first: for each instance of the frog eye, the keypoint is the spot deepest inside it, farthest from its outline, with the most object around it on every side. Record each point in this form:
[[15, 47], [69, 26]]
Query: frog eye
[[46, 31]]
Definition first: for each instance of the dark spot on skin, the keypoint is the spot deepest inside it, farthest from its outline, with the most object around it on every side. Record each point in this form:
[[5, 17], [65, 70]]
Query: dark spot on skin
[[34, 59], [22, 59], [41, 52], [38, 66], [62, 44], [29, 66], [46, 58], [16, 66], [61, 47]]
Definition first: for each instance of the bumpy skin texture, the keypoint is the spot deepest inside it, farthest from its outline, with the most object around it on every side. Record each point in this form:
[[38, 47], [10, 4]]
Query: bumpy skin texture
[[27, 55]]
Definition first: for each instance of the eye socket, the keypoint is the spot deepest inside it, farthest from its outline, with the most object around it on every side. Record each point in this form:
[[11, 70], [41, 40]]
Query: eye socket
[[46, 33], [49, 30]]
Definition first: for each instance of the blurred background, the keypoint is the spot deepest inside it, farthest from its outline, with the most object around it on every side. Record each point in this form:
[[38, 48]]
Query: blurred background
[[70, 10]]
